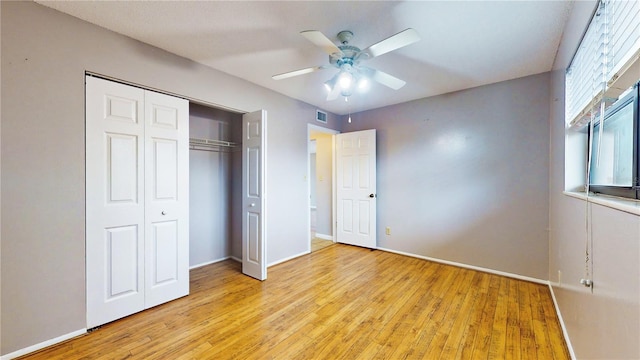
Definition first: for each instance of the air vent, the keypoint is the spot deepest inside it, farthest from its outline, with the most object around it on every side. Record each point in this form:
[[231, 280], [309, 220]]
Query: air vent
[[321, 116]]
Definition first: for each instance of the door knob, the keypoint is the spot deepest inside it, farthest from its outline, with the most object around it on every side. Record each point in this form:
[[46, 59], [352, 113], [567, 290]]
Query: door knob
[[163, 213], [372, 195], [252, 204]]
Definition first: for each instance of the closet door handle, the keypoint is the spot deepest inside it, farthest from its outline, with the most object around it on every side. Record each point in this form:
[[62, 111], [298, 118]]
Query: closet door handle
[[163, 213], [252, 205]]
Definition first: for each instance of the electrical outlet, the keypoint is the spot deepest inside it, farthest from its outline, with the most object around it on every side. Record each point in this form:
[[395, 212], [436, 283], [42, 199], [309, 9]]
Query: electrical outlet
[[559, 277], [388, 230]]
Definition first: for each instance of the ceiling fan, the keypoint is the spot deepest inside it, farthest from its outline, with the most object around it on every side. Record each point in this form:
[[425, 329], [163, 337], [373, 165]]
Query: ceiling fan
[[347, 59]]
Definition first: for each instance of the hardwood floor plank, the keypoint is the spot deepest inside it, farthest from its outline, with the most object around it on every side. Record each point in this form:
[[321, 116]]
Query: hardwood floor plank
[[341, 302], [540, 330], [451, 311], [404, 316], [528, 349], [499, 331], [485, 325], [465, 351], [558, 344], [460, 322], [319, 244], [415, 315], [512, 350]]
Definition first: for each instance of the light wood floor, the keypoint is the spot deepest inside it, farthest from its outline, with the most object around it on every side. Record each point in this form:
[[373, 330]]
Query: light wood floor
[[340, 302], [317, 244]]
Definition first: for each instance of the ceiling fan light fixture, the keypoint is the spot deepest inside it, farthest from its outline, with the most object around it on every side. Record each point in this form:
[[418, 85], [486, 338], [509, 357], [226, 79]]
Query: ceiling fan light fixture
[[345, 80], [345, 92], [351, 76], [329, 85]]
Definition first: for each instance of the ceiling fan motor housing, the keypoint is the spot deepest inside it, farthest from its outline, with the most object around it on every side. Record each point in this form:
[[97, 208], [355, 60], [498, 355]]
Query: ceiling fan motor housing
[[349, 54], [345, 36]]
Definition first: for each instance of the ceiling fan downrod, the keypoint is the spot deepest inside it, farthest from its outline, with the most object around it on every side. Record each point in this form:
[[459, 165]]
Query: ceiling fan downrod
[[345, 36]]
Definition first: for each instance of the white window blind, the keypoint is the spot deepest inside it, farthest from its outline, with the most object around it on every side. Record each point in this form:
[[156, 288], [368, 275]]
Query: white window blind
[[624, 43], [606, 62]]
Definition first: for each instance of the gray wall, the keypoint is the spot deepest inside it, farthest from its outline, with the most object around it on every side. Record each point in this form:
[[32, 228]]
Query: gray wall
[[463, 176], [44, 58], [210, 187], [603, 323]]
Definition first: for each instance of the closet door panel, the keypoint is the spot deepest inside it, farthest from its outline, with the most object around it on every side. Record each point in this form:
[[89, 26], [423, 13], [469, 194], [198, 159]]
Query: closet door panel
[[165, 158], [122, 168], [114, 201], [165, 251], [166, 198], [122, 261]]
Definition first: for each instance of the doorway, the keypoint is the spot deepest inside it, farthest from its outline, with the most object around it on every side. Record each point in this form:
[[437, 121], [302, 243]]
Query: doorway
[[321, 176]]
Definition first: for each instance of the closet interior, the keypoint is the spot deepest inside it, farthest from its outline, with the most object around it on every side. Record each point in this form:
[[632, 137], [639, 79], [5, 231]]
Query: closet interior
[[215, 192]]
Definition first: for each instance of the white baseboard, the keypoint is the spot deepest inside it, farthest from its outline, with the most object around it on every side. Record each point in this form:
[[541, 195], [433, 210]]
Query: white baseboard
[[208, 263], [235, 259], [287, 259], [471, 267], [324, 237], [43, 344], [565, 334]]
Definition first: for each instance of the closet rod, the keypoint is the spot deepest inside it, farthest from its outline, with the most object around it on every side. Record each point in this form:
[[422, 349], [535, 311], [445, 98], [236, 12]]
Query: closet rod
[[212, 149], [211, 142], [211, 145]]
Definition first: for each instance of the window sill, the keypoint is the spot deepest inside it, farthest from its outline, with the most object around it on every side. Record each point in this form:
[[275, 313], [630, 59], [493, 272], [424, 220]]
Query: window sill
[[627, 205]]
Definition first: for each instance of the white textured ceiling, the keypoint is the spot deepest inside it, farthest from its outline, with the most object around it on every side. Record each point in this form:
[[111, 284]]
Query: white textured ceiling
[[463, 44]]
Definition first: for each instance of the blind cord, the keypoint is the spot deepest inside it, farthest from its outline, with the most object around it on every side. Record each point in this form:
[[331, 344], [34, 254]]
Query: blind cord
[[586, 281], [588, 246]]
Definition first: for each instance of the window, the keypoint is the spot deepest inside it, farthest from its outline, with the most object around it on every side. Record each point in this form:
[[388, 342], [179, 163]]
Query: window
[[599, 101], [614, 160]]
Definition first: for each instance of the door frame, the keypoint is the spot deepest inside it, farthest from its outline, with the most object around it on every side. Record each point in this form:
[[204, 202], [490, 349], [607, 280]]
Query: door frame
[[333, 133]]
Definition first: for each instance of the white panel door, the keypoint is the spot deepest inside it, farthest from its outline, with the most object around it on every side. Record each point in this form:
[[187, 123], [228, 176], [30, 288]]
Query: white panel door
[[114, 200], [253, 196], [356, 188], [166, 198]]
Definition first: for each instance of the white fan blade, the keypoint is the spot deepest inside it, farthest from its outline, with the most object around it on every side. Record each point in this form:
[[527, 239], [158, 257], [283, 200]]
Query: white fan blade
[[334, 93], [299, 72], [382, 77], [321, 41], [401, 39]]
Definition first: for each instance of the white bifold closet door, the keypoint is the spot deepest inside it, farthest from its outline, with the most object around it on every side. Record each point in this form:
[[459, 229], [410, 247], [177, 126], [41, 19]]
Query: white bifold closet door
[[254, 148], [137, 193]]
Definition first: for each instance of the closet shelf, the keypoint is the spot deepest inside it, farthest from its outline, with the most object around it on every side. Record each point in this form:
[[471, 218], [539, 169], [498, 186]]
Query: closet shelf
[[211, 145]]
